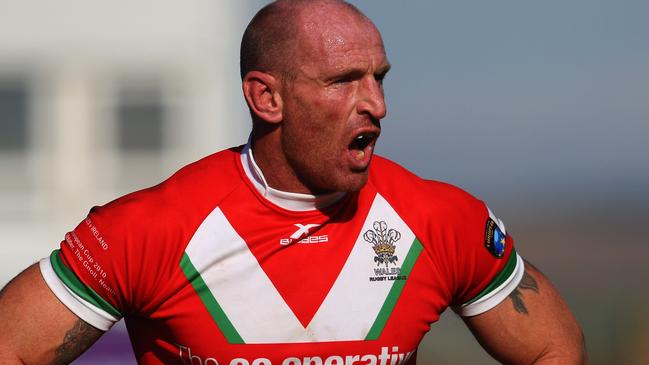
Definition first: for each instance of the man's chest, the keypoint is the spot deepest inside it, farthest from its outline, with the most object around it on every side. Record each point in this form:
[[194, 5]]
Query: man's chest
[[354, 288]]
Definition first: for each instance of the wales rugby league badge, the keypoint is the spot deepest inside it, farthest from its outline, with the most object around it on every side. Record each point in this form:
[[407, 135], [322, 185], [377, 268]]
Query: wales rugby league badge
[[382, 240]]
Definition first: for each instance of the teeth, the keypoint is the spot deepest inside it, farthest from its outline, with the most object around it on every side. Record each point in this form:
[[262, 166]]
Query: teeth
[[360, 154], [361, 141]]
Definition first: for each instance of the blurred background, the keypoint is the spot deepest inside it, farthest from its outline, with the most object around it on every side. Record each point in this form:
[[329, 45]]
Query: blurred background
[[539, 108]]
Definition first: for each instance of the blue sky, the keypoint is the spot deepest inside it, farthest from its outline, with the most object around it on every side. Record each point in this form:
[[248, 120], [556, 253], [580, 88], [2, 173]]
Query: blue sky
[[503, 94]]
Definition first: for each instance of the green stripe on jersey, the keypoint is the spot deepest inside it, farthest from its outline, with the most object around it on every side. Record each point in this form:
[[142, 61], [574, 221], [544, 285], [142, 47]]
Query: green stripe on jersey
[[209, 301], [247, 308], [504, 274], [77, 287], [395, 291]]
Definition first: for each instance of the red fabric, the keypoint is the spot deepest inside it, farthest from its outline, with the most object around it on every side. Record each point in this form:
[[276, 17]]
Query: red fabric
[[139, 239]]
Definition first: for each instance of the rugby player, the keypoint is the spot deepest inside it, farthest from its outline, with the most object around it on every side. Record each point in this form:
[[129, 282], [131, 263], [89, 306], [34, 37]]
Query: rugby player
[[300, 247]]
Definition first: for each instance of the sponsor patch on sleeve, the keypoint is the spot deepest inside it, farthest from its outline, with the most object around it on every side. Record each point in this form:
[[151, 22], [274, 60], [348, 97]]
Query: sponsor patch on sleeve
[[495, 236]]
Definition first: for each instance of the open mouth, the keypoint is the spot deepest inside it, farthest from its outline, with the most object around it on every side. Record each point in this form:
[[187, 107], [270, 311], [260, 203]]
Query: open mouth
[[361, 147], [362, 141]]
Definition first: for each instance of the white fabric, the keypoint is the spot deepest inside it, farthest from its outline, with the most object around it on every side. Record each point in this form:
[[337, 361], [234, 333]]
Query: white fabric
[[89, 313], [497, 295], [286, 200], [258, 311], [497, 220]]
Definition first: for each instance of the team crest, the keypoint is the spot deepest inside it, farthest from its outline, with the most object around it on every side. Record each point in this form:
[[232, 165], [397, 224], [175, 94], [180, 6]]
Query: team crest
[[382, 240]]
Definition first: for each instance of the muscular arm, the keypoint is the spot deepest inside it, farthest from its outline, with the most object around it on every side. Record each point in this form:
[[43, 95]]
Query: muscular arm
[[532, 326], [35, 327]]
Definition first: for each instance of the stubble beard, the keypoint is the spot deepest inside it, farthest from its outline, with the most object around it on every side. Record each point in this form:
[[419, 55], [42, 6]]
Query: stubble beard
[[322, 174]]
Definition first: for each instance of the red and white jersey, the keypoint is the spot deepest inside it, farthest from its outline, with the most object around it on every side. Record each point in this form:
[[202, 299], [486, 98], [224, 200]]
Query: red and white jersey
[[214, 267]]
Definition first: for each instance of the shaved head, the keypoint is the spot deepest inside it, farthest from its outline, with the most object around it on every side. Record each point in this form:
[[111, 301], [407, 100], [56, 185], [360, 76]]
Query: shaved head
[[269, 42], [312, 74]]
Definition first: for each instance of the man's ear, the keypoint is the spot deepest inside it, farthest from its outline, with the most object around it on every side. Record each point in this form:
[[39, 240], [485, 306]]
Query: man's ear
[[261, 91]]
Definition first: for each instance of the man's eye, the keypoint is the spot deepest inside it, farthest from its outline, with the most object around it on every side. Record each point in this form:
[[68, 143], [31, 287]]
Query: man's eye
[[343, 80]]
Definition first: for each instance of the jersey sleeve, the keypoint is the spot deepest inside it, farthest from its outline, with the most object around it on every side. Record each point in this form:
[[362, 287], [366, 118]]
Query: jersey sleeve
[[119, 260], [81, 299], [82, 273], [487, 267]]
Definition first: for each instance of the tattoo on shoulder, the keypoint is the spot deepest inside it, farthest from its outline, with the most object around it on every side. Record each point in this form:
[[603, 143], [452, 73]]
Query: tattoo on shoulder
[[76, 341], [527, 283]]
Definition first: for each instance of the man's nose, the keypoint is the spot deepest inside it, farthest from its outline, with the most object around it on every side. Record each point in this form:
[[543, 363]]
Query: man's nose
[[371, 99]]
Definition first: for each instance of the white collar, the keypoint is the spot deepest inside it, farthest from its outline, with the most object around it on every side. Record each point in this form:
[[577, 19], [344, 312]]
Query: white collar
[[284, 199]]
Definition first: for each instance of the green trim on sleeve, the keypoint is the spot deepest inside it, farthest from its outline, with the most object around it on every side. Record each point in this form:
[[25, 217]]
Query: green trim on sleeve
[[504, 274], [72, 282]]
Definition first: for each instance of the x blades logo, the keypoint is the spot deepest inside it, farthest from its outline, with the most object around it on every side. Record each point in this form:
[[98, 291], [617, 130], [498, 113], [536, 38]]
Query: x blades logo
[[302, 235]]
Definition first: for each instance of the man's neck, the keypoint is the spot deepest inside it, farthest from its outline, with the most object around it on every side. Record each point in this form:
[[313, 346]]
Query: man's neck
[[275, 167], [287, 200]]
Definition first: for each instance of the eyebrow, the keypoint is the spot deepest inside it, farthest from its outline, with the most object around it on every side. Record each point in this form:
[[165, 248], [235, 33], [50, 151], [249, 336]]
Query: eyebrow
[[353, 72]]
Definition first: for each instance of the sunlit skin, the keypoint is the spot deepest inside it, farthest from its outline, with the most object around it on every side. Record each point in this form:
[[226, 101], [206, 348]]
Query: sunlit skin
[[313, 87], [334, 94]]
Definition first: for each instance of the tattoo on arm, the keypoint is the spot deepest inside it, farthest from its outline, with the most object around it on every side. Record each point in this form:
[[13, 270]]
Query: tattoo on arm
[[527, 283], [75, 342]]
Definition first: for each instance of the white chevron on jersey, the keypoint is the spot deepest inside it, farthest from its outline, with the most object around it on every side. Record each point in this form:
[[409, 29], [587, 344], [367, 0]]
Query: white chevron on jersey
[[239, 294]]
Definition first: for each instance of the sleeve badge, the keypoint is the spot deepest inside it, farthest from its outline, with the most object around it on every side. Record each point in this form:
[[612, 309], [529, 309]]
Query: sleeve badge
[[495, 236]]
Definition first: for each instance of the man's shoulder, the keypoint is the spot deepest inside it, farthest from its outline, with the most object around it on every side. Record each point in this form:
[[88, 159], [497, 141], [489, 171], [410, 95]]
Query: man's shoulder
[[217, 171], [393, 179], [195, 187]]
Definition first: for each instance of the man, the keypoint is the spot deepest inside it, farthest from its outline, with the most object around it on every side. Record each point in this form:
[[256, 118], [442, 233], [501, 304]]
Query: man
[[292, 249]]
